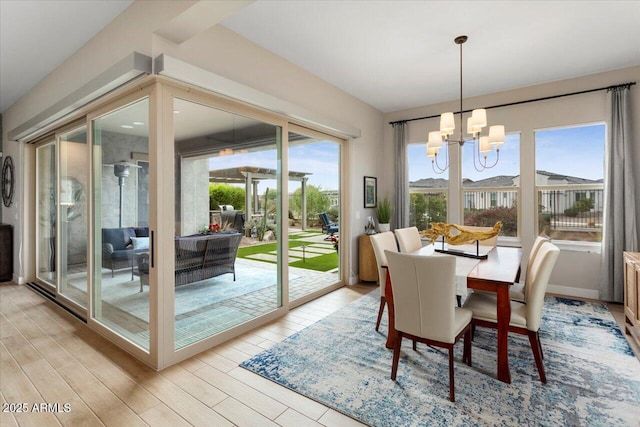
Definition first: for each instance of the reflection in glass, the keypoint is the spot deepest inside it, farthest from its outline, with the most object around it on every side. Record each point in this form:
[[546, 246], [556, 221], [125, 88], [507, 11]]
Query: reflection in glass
[[120, 299], [46, 211], [226, 184], [73, 216]]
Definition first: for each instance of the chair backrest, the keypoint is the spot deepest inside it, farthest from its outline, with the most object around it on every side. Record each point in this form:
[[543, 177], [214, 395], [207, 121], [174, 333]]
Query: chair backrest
[[424, 289], [408, 239], [537, 287], [325, 219], [493, 241], [532, 255], [383, 242]]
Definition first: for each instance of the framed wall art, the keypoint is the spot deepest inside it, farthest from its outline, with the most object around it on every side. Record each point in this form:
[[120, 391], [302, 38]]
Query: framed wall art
[[370, 192]]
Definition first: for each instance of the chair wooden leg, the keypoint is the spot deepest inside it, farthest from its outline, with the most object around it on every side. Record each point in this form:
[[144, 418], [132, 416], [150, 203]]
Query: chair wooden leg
[[414, 346], [396, 355], [537, 355], [473, 331], [459, 299], [452, 394], [467, 347], [383, 301], [540, 346]]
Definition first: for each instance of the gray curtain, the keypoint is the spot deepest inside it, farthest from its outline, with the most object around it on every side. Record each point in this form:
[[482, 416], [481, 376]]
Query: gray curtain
[[620, 232], [400, 218]]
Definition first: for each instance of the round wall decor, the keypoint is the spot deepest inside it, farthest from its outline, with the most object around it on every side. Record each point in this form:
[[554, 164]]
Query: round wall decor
[[8, 181]]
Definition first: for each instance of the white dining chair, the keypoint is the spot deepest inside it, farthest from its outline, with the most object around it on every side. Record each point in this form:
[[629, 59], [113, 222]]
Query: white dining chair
[[382, 242], [408, 239], [526, 317], [423, 288], [517, 290]]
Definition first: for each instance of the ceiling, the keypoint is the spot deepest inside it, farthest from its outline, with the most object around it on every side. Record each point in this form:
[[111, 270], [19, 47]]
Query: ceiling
[[400, 54], [390, 54]]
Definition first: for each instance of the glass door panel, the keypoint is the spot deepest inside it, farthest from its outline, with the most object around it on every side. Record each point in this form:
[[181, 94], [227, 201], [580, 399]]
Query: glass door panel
[[46, 195], [73, 216], [314, 214], [226, 256], [120, 287]]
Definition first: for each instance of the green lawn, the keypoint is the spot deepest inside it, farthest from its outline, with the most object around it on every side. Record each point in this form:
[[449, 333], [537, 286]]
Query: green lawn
[[324, 262]]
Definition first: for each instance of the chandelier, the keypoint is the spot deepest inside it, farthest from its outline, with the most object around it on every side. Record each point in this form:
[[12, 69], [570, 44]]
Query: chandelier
[[475, 124]]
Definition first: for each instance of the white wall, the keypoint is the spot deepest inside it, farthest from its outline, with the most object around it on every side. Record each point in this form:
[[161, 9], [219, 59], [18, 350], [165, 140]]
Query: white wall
[[216, 49], [576, 273]]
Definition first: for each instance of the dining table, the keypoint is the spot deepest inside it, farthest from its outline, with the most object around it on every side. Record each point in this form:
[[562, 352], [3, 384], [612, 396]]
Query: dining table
[[495, 273]]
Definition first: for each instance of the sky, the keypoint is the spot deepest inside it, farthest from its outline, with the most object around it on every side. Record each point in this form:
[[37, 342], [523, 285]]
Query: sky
[[320, 159], [575, 151]]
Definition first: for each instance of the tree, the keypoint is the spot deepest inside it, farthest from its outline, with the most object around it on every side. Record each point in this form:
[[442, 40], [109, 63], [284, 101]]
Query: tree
[[417, 210], [436, 207], [582, 205], [317, 202], [427, 208], [225, 194]]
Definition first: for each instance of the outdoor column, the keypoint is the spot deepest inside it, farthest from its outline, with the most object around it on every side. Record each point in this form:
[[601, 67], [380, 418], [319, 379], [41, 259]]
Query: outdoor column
[[256, 196], [247, 196], [304, 203]]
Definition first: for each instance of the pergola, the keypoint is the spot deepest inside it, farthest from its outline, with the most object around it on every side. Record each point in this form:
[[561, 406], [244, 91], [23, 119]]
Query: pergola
[[250, 176]]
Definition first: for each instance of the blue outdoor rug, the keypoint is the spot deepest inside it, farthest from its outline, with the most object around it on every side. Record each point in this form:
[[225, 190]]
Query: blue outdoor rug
[[593, 378]]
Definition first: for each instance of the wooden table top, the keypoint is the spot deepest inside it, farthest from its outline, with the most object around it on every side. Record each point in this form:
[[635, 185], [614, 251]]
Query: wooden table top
[[501, 266]]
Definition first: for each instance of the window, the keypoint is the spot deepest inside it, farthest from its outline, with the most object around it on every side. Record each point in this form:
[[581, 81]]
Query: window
[[569, 182], [427, 190], [482, 206]]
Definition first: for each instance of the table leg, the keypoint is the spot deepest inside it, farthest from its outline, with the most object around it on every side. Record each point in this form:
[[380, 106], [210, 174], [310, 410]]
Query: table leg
[[504, 316], [388, 294]]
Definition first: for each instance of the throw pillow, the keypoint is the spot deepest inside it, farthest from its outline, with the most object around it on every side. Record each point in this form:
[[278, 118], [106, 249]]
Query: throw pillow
[[140, 242]]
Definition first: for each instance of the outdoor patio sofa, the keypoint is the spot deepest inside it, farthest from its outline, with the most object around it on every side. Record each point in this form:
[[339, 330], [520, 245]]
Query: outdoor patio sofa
[[119, 245], [199, 257]]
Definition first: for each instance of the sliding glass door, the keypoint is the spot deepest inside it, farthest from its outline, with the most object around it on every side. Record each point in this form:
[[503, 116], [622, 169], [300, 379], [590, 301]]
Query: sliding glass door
[[73, 228], [121, 221], [61, 217], [314, 214], [173, 220], [226, 220], [46, 215]]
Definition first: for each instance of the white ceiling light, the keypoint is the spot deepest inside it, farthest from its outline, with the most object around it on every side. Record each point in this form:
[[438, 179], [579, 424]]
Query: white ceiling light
[[475, 124]]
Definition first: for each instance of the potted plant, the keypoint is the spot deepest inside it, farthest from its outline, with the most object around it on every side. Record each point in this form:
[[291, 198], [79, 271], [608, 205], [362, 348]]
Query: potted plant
[[383, 213]]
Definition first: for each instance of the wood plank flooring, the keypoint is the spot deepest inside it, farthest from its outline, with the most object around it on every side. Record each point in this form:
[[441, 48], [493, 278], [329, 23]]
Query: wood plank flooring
[[48, 356]]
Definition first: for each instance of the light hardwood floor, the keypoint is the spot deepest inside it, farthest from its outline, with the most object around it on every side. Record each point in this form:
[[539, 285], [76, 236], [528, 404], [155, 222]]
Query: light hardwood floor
[[48, 356]]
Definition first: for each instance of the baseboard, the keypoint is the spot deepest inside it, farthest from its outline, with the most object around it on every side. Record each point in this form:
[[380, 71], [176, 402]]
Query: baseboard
[[20, 280], [570, 291]]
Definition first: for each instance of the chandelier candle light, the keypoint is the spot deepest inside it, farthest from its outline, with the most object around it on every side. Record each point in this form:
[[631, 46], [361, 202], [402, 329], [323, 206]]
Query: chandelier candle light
[[475, 123]]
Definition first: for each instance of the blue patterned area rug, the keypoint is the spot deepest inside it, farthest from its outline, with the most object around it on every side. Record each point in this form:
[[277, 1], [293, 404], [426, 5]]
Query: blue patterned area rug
[[593, 376]]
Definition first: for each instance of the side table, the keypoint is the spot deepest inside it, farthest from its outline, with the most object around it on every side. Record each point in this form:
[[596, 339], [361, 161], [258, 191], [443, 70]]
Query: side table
[[367, 266]]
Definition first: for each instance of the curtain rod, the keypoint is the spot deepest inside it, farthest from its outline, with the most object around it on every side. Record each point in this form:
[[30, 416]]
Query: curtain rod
[[524, 102]]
